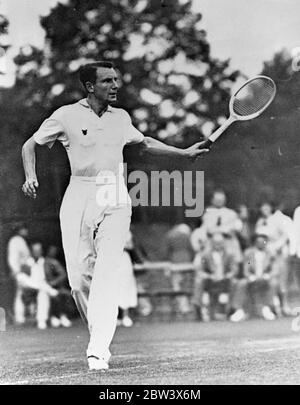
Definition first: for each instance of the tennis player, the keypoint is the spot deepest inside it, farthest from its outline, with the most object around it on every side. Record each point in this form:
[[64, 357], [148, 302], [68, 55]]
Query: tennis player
[[94, 226]]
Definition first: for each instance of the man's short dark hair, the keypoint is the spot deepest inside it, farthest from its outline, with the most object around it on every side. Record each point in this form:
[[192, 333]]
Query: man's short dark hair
[[88, 72], [267, 202], [35, 242], [18, 226]]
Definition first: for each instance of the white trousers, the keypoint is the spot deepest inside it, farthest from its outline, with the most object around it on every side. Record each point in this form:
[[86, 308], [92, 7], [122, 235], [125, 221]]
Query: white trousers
[[94, 236], [42, 301]]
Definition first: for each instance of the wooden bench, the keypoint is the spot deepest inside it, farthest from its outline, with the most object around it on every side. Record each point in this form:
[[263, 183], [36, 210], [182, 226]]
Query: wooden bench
[[159, 288]]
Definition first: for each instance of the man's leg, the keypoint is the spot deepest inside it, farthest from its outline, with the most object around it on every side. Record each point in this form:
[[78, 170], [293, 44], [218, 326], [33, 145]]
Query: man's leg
[[43, 306], [266, 299], [71, 218], [284, 284], [238, 294], [281, 274], [296, 270], [197, 298], [19, 307], [103, 296], [238, 299]]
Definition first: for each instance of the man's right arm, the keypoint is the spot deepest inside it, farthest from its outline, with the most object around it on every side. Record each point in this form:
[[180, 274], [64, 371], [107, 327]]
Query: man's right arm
[[50, 130], [28, 155]]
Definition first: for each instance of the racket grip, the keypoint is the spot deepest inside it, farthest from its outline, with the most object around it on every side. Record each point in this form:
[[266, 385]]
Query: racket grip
[[207, 144]]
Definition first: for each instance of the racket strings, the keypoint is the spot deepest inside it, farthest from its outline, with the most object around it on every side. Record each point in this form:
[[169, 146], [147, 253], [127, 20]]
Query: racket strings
[[253, 97]]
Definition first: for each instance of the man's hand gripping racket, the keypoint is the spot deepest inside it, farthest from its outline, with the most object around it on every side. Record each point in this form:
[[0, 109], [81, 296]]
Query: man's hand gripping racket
[[248, 102]]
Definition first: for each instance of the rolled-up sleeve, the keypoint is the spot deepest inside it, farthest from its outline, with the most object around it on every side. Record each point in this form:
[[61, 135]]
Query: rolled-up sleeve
[[51, 130], [132, 135]]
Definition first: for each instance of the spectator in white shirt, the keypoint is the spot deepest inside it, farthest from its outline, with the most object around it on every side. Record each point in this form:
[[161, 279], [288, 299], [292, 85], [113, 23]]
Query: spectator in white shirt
[[18, 254], [179, 250], [215, 271], [32, 281], [217, 219]]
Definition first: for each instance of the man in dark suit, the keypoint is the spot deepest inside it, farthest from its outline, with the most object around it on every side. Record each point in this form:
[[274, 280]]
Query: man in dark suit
[[215, 273]]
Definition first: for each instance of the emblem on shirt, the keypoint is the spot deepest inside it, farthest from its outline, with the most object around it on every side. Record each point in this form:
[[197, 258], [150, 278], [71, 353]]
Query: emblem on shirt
[[84, 131]]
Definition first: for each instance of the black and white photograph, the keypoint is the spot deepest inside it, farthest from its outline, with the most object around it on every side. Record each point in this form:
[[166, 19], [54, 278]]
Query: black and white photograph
[[149, 195]]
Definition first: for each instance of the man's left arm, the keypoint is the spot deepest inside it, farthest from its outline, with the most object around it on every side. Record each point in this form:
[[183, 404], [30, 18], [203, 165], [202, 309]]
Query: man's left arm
[[156, 147], [149, 145]]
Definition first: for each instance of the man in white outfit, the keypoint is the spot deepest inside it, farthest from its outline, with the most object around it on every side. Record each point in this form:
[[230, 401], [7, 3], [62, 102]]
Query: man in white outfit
[[218, 218], [33, 279], [96, 210], [18, 254]]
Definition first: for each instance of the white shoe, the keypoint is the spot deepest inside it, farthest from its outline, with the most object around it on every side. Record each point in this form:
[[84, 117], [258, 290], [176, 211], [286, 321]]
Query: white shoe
[[54, 322], [268, 314], [127, 322], [42, 325], [119, 322], [238, 316], [97, 364], [65, 322]]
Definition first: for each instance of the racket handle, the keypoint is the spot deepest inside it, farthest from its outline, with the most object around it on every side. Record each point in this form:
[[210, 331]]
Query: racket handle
[[207, 144], [215, 135]]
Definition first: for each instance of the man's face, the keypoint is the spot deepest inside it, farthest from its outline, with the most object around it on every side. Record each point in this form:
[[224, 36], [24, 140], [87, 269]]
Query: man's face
[[106, 86], [37, 250], [23, 232], [261, 242], [243, 212], [218, 200], [266, 210], [52, 251]]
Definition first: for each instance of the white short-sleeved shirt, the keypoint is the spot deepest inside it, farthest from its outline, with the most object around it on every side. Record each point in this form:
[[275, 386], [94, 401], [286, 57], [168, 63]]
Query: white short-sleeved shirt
[[93, 143], [18, 253]]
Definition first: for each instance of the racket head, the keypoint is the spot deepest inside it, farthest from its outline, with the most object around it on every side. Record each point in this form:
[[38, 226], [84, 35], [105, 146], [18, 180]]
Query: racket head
[[252, 98]]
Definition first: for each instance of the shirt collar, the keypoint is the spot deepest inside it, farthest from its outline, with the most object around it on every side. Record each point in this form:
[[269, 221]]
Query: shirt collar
[[84, 103]]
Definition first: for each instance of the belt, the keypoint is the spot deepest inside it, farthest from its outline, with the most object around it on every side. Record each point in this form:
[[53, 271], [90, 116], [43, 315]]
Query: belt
[[101, 178]]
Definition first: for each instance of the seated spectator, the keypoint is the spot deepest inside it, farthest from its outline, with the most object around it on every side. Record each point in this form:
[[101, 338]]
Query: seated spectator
[[278, 228], [214, 274], [57, 278], [218, 218], [18, 253], [33, 285], [258, 266], [179, 250]]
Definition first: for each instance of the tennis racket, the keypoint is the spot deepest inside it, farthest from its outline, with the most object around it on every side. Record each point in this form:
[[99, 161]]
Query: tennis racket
[[248, 102]]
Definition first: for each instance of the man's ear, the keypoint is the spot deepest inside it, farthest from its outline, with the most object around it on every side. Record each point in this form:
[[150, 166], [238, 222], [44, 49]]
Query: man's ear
[[90, 87]]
